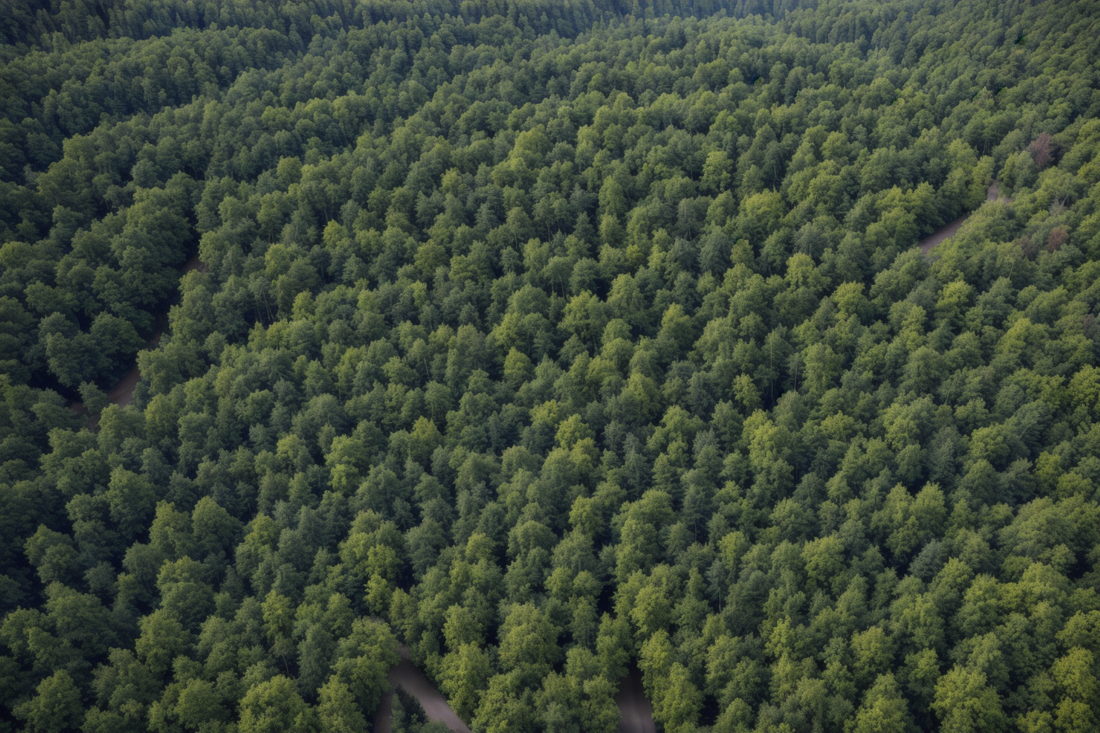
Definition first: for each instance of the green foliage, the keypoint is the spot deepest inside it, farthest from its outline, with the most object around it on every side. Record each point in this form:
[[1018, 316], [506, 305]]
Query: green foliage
[[549, 341], [55, 708], [273, 706]]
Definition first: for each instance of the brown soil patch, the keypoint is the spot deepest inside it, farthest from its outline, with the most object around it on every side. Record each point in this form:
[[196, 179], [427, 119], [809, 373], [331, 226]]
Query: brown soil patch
[[408, 677], [944, 233], [635, 710], [122, 393]]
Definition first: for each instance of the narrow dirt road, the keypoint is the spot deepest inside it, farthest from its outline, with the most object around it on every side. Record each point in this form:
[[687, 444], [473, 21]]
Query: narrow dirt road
[[944, 233], [123, 392], [635, 710], [408, 677]]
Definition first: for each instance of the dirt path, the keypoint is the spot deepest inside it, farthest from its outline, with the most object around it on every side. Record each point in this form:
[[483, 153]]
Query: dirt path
[[407, 676], [635, 710], [946, 232], [123, 392]]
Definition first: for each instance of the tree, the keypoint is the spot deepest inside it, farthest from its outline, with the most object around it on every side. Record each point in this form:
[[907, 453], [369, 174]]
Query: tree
[[93, 398], [162, 639], [883, 709], [528, 642], [132, 501], [56, 706], [465, 672], [200, 706], [613, 646], [643, 522], [1077, 680], [315, 654], [278, 613], [965, 702], [337, 709], [274, 705], [216, 531], [506, 707], [364, 659], [185, 591], [680, 701]]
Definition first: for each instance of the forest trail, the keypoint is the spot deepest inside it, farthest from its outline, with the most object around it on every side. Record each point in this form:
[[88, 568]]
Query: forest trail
[[123, 392], [947, 231], [635, 709], [408, 676]]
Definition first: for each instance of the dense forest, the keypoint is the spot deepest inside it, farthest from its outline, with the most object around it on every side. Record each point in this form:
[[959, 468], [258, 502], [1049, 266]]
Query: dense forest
[[550, 340]]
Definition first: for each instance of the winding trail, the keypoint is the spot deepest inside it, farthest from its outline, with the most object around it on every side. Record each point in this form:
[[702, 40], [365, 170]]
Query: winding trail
[[408, 676], [947, 231], [123, 392], [635, 709]]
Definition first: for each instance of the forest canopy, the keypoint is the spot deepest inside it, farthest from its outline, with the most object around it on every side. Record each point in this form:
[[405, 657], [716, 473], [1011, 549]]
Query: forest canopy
[[551, 341]]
